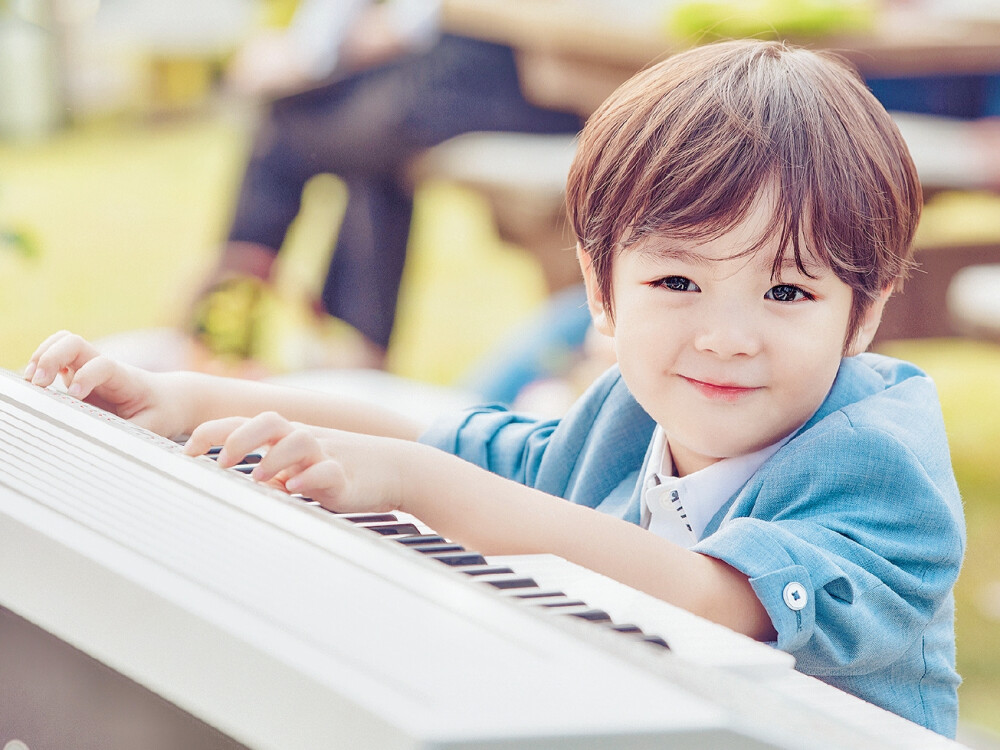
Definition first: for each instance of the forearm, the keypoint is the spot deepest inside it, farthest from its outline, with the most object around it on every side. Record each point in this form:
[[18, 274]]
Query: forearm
[[201, 398], [497, 516]]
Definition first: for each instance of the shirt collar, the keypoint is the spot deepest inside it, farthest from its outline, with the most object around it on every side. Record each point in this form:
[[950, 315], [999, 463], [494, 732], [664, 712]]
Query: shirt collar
[[706, 490]]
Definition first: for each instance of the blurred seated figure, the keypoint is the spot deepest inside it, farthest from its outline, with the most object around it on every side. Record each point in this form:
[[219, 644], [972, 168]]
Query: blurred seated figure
[[362, 88]]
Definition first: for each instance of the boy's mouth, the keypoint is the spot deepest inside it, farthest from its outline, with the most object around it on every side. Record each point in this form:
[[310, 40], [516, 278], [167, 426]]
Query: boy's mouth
[[730, 392]]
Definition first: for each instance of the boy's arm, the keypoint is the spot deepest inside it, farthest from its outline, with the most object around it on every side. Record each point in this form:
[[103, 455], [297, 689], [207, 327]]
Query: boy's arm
[[173, 404], [495, 515], [216, 398]]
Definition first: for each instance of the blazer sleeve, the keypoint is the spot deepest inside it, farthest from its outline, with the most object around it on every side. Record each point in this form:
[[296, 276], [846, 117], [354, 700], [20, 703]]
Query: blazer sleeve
[[591, 456], [852, 542], [503, 442]]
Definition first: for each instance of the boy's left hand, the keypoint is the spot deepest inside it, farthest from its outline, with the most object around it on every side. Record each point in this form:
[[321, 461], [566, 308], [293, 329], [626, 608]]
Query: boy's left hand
[[342, 471]]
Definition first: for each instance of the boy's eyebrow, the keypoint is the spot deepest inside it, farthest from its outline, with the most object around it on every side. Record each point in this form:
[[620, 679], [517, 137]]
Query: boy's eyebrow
[[668, 252], [808, 262]]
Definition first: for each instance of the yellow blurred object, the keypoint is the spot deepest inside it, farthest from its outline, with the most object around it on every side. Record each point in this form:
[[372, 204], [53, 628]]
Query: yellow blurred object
[[707, 20], [277, 13], [179, 83], [960, 218]]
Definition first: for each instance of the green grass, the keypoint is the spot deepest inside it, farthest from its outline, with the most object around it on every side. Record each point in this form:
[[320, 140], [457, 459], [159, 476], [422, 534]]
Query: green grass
[[127, 220]]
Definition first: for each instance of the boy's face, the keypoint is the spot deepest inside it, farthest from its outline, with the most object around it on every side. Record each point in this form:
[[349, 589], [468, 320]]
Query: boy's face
[[727, 359]]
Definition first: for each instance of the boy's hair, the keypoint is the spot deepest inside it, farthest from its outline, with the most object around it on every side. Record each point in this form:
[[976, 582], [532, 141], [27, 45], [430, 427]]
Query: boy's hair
[[684, 148]]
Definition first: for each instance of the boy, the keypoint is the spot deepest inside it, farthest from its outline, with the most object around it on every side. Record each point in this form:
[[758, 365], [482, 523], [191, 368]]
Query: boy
[[743, 212]]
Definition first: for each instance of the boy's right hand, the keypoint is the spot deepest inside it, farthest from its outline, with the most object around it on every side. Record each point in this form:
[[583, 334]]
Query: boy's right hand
[[130, 392]]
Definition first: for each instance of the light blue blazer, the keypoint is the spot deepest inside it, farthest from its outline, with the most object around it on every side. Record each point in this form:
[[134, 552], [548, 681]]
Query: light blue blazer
[[852, 534]]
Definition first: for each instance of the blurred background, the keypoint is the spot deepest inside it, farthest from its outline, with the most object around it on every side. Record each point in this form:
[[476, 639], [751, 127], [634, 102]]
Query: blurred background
[[126, 129]]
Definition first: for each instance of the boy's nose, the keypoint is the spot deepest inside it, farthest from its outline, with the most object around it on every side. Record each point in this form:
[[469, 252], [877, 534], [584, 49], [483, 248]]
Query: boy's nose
[[728, 330]]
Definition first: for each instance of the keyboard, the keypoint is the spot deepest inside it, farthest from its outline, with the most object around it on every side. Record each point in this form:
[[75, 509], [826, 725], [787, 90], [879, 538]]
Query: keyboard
[[150, 599]]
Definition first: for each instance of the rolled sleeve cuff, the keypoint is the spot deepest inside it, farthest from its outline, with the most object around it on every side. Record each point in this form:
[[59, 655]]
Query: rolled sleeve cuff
[[787, 596], [784, 587]]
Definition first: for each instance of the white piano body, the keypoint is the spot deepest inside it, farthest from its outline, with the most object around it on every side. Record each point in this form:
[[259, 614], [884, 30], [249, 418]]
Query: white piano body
[[151, 600]]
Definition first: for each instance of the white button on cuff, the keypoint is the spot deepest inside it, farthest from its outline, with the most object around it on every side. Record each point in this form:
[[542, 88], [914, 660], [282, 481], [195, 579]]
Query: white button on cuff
[[795, 596]]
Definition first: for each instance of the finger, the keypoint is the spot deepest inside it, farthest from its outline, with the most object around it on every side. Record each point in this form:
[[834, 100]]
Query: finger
[[292, 453], [99, 371], [264, 430], [207, 434], [30, 368], [65, 353], [325, 482]]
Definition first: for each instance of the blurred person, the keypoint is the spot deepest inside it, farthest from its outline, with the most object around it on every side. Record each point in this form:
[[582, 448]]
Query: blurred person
[[362, 88]]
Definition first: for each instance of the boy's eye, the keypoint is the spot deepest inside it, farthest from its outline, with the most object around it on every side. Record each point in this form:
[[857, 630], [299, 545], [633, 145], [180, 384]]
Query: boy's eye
[[787, 293], [677, 284]]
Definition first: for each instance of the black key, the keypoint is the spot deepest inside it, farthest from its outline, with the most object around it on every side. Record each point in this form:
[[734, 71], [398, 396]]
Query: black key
[[364, 518], [565, 602], [463, 557], [422, 539], [530, 596], [393, 528], [656, 641], [592, 615], [487, 570], [625, 628], [508, 582], [433, 549], [250, 458]]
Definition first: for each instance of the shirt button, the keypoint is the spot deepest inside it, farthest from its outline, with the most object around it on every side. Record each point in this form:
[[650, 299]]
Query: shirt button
[[795, 595], [669, 500]]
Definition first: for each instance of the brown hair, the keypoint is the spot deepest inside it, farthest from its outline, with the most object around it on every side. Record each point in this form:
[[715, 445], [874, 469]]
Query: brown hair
[[685, 147]]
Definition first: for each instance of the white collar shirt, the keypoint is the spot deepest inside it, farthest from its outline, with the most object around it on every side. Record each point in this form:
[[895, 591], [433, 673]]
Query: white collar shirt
[[679, 508]]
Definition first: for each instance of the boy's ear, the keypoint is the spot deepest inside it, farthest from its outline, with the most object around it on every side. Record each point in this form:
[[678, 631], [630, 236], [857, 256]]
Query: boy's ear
[[869, 324], [595, 302]]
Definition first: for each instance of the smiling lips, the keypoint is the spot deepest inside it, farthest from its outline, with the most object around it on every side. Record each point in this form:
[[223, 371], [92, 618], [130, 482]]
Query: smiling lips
[[721, 391]]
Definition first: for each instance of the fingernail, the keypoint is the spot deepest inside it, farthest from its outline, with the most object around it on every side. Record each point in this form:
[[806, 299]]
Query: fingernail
[[39, 375], [74, 390], [30, 370]]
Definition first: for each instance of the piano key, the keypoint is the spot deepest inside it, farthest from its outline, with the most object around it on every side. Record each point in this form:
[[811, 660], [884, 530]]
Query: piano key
[[421, 539], [562, 601], [507, 581], [585, 612], [656, 640], [625, 627], [534, 595], [393, 528], [250, 458], [463, 557], [480, 569], [432, 549], [367, 518]]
